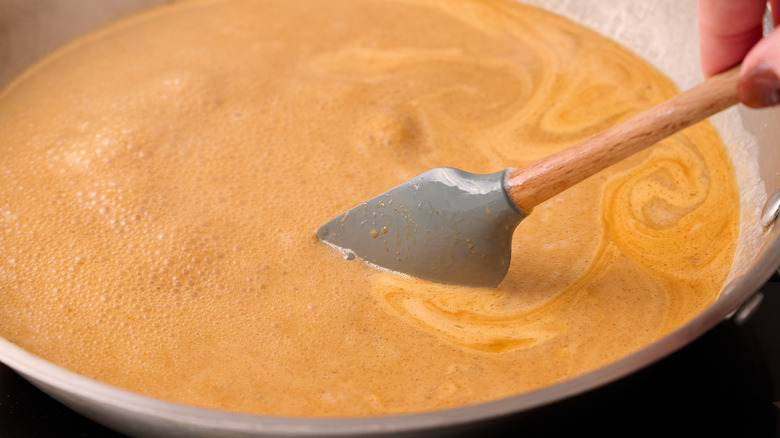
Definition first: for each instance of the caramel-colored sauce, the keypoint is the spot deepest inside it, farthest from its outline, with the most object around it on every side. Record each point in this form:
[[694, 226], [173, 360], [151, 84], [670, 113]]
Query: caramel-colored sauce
[[163, 179]]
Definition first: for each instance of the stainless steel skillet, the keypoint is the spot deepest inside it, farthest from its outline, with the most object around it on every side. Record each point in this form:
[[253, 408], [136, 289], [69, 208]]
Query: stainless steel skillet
[[662, 31]]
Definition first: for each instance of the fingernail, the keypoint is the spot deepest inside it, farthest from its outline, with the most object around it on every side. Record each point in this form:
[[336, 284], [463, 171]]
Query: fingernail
[[759, 87]]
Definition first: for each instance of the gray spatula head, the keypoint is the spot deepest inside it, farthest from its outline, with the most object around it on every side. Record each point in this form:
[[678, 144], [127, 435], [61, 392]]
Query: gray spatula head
[[445, 225]]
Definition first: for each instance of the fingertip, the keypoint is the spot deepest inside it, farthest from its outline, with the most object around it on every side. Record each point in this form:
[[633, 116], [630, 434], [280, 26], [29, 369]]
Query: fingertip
[[759, 87], [759, 84]]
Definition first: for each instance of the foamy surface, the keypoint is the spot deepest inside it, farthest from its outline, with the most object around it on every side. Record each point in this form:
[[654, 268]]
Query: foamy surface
[[163, 179]]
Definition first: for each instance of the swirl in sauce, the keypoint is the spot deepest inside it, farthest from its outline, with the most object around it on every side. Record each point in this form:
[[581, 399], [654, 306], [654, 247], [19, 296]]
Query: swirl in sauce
[[163, 179]]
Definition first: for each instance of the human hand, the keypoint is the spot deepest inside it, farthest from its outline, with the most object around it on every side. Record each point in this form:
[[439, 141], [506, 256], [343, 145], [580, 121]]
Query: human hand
[[731, 31]]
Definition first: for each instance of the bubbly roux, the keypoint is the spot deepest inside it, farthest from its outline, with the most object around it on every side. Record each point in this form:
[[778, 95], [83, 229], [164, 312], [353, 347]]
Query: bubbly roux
[[162, 180]]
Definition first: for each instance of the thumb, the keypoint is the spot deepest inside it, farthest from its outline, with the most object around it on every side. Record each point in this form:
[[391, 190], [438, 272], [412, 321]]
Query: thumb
[[759, 84]]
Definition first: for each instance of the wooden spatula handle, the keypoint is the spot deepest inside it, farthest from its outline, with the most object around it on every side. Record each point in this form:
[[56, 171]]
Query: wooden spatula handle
[[531, 185]]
